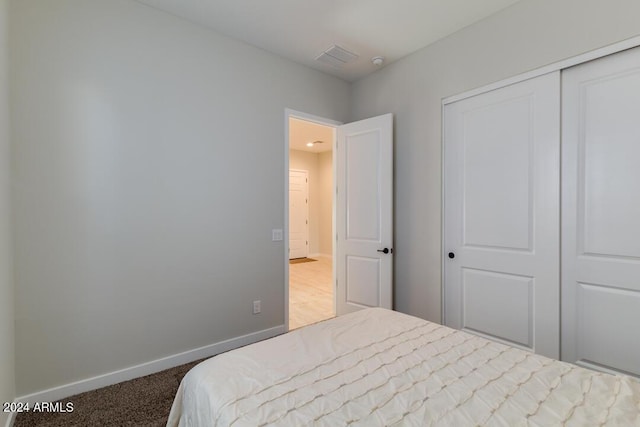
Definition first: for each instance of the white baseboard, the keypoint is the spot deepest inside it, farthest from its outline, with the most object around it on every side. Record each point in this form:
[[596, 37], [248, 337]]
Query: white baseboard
[[148, 368]]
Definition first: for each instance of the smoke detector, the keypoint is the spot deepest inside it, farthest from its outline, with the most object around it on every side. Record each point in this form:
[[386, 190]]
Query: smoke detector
[[377, 60], [336, 56]]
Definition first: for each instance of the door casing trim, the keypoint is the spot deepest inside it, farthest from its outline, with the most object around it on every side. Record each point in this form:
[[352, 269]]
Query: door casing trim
[[289, 113]]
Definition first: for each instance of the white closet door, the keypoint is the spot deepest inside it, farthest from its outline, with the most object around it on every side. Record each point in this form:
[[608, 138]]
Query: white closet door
[[601, 213], [501, 214]]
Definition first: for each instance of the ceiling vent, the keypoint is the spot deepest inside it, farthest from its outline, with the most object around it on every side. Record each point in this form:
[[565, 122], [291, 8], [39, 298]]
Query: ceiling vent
[[336, 56]]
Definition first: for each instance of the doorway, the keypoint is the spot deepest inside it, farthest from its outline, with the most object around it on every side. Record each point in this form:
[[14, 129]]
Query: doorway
[[310, 295]]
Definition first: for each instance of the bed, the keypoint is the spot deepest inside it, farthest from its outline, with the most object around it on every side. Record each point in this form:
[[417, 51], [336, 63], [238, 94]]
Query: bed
[[378, 367]]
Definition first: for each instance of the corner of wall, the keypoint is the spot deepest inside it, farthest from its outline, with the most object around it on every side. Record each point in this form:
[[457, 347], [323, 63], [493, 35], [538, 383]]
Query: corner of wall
[[7, 338]]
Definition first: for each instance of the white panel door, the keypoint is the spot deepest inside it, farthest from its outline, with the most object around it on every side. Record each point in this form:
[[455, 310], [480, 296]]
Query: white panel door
[[601, 213], [364, 214], [298, 214], [501, 214]]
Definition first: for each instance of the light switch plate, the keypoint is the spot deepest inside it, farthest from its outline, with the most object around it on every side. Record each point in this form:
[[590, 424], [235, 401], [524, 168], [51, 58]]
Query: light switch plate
[[276, 234]]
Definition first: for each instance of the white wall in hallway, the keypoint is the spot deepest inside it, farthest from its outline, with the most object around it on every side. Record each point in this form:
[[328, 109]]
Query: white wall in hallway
[[320, 201], [325, 167]]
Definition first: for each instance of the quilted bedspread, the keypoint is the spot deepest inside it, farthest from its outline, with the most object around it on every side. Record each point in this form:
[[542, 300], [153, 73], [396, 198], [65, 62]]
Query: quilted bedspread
[[379, 368]]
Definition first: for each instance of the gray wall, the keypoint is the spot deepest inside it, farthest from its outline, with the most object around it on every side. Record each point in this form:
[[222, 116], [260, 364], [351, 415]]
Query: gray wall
[[528, 35], [149, 172], [7, 381], [135, 201]]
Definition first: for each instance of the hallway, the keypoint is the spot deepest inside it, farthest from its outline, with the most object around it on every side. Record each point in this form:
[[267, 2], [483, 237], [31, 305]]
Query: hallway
[[310, 292]]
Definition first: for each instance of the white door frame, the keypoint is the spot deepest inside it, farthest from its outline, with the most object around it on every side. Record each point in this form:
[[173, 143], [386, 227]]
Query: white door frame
[[289, 113]]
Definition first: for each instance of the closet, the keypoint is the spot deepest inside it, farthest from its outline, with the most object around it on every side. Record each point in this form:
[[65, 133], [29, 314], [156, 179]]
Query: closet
[[542, 213]]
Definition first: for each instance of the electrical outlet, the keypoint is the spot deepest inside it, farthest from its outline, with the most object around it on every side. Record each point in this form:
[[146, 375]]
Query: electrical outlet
[[276, 234], [256, 307]]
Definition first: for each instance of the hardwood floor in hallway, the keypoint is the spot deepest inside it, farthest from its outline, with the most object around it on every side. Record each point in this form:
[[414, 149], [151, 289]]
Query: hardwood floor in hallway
[[310, 292]]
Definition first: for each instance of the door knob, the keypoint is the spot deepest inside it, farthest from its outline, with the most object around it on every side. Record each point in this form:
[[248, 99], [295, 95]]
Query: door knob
[[384, 251], [452, 255]]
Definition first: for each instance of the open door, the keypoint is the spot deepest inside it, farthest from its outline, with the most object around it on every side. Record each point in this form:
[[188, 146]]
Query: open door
[[364, 214]]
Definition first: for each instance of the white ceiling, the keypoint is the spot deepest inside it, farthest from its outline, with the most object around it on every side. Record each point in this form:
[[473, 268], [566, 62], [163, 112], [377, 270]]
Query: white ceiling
[[302, 29], [302, 131]]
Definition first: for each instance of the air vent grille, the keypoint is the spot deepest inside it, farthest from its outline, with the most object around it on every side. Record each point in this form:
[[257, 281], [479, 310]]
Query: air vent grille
[[336, 56]]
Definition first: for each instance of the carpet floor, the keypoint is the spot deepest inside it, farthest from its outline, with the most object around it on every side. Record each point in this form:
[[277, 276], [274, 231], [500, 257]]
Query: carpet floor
[[142, 401]]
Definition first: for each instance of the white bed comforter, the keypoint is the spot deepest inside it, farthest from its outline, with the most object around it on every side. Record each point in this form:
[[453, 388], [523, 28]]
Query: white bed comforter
[[377, 367]]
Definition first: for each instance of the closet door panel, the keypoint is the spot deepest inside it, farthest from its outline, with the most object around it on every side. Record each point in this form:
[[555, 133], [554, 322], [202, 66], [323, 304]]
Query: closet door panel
[[501, 214], [509, 300], [601, 312], [601, 213], [507, 184], [610, 150]]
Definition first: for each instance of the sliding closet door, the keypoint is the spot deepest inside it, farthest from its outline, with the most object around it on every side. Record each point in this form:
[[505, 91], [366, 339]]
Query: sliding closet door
[[601, 213], [501, 214]]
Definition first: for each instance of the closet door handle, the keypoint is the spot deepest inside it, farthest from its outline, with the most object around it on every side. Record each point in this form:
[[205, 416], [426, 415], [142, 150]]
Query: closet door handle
[[384, 251], [452, 255]]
